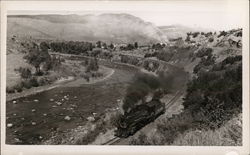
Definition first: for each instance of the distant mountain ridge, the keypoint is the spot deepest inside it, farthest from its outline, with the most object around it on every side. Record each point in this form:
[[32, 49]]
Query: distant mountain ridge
[[116, 28]]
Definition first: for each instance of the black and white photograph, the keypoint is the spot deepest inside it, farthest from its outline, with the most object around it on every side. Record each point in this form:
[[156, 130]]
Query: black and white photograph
[[165, 74]]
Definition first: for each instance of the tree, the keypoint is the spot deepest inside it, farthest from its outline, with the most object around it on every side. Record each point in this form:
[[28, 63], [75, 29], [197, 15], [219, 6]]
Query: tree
[[211, 39], [157, 46], [36, 57], [130, 47], [188, 38], [195, 34], [44, 46], [24, 72], [104, 45], [111, 46], [92, 65], [222, 33], [99, 44], [136, 45]]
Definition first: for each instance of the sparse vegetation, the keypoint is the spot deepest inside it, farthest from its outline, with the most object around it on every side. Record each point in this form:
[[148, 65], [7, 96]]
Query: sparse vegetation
[[212, 106]]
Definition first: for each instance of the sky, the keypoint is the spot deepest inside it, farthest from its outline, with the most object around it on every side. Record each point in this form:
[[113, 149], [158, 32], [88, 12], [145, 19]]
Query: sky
[[216, 15]]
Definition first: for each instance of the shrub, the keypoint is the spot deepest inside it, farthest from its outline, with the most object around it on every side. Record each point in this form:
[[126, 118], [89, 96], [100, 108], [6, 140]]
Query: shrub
[[208, 34], [129, 60], [92, 65], [169, 129], [140, 140], [10, 90], [158, 46], [85, 62], [52, 63], [211, 39], [150, 55], [33, 82], [96, 52], [124, 58], [204, 52], [106, 55], [134, 61], [18, 88], [39, 73], [195, 34], [129, 47], [231, 59], [151, 65], [165, 56], [25, 72], [204, 64], [166, 131], [43, 81], [222, 33], [86, 77], [239, 34], [26, 84], [91, 135], [214, 96], [187, 38], [96, 74]]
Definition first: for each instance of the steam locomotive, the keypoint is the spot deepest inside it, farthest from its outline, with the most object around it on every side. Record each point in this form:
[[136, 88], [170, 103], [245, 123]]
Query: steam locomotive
[[129, 123]]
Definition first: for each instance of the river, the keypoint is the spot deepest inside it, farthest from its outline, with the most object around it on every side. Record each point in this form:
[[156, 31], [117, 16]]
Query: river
[[35, 116]]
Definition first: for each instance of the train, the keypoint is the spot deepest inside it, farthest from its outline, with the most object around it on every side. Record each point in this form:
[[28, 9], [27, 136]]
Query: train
[[129, 123]]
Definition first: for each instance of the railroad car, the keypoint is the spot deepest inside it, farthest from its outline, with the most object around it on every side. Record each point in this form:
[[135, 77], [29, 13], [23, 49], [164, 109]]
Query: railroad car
[[129, 123]]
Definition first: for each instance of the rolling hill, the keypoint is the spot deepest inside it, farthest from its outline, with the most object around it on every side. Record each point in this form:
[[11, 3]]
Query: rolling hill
[[116, 28]]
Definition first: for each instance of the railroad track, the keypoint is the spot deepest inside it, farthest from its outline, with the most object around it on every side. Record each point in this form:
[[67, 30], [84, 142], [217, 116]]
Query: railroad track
[[112, 141], [173, 100], [170, 103]]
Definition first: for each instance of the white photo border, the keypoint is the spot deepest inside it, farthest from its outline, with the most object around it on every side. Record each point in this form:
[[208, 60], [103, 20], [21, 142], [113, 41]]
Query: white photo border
[[242, 5]]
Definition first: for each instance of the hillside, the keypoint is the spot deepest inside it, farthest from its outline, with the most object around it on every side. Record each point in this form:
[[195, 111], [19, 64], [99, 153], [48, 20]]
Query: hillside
[[176, 31], [210, 112], [116, 28], [201, 69]]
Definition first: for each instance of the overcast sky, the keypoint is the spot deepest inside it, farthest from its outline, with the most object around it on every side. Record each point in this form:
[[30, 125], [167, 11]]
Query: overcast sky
[[217, 15]]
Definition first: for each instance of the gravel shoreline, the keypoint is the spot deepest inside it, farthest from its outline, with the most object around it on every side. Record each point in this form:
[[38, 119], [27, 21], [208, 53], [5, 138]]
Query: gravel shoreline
[[35, 90]]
